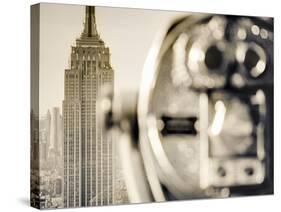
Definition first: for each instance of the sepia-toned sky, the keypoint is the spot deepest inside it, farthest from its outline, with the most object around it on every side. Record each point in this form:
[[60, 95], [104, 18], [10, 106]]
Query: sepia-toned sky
[[127, 32]]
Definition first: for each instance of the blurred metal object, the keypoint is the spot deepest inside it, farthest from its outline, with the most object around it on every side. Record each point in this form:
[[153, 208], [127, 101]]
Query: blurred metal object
[[202, 121]]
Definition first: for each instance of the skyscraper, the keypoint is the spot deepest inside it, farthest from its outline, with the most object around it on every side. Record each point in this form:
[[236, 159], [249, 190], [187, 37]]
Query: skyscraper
[[88, 172], [56, 139]]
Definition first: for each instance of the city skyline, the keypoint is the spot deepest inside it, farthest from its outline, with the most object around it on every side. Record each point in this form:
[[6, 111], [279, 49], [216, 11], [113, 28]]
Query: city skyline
[[47, 159]]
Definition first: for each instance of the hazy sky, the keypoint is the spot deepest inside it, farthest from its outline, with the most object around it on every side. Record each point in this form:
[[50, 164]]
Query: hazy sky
[[127, 32]]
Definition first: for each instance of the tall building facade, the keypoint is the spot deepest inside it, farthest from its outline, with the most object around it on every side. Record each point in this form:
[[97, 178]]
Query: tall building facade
[[56, 139], [88, 169]]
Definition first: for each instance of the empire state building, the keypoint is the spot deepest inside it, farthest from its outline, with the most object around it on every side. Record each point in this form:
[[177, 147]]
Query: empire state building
[[88, 162]]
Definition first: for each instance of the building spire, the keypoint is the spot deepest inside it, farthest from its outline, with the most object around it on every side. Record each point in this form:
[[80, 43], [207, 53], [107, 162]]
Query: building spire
[[90, 27], [89, 36]]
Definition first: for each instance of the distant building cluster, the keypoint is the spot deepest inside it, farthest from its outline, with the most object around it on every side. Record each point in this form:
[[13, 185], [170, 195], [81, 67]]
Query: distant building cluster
[[47, 160]]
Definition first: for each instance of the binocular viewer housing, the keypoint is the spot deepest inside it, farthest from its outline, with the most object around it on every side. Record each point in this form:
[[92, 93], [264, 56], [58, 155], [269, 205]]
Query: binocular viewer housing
[[201, 123]]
